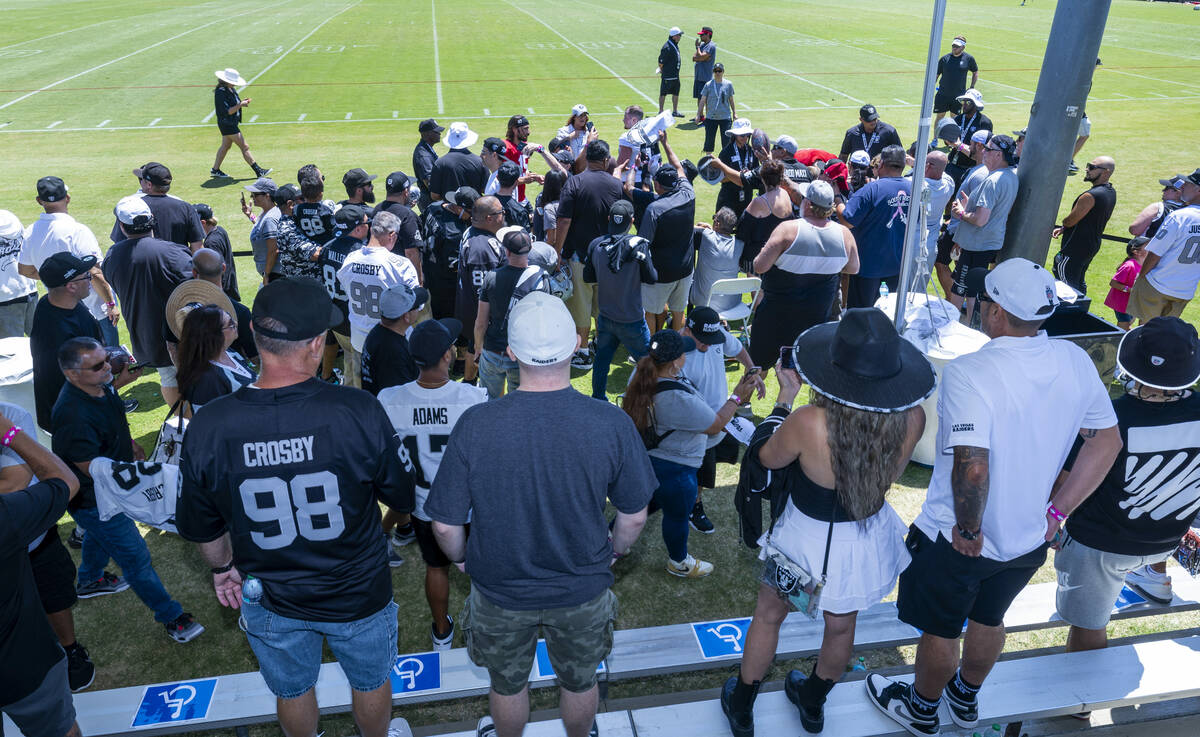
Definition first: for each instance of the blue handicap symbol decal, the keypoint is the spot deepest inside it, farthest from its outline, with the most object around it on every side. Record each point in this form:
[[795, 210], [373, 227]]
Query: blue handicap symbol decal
[[175, 702], [722, 638], [420, 672], [1127, 598], [541, 662]]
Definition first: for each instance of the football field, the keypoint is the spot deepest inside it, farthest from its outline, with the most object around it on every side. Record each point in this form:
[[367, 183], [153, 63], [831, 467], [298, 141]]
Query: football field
[[90, 89]]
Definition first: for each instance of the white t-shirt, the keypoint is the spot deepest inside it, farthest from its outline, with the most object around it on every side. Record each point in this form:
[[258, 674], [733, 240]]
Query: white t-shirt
[[1177, 244], [143, 491], [1025, 400], [423, 419], [54, 232], [365, 275], [706, 370], [577, 143], [20, 417], [493, 185], [940, 192]]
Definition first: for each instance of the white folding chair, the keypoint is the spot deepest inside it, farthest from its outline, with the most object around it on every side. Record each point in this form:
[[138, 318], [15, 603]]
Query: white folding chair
[[742, 311]]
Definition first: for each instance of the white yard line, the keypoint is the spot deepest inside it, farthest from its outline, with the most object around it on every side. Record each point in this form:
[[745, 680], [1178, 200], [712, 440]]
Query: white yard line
[[302, 117], [209, 117], [822, 103], [897, 99], [437, 61], [306, 36], [253, 118], [155, 121], [1013, 98], [1153, 79], [93, 25], [52, 85], [103, 123], [55, 124], [348, 116], [580, 49]]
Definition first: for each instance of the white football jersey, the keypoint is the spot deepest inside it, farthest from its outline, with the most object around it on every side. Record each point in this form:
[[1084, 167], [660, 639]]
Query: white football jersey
[[1177, 244], [423, 419], [365, 275], [144, 492]]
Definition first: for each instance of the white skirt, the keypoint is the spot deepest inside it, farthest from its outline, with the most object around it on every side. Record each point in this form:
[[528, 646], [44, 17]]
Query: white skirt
[[864, 560]]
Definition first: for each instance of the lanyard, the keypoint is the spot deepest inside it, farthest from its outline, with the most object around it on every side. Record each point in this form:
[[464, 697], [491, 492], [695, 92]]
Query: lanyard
[[874, 139]]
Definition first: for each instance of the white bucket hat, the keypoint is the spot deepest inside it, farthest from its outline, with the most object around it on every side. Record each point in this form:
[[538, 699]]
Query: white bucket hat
[[458, 135], [974, 96], [740, 127], [230, 76]]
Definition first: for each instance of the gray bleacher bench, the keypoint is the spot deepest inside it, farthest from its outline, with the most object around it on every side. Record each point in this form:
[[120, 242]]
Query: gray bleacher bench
[[243, 698]]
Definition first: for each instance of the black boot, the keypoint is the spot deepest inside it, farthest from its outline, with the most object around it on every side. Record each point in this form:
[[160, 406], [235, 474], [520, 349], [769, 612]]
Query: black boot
[[808, 694], [737, 701]]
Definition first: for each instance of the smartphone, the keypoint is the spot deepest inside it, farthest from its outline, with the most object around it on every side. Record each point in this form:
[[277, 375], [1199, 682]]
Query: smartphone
[[243, 198], [591, 125], [787, 357]]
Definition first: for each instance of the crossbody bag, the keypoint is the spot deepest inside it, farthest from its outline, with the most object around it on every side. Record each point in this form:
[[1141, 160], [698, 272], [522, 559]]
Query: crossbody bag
[[793, 582]]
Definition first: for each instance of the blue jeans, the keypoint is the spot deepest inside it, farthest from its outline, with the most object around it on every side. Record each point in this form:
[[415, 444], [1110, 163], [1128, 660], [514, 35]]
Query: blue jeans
[[494, 368], [119, 539], [675, 496], [108, 332], [635, 336]]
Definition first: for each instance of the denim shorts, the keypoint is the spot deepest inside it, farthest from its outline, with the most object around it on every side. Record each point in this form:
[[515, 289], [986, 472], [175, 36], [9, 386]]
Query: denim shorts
[[289, 650]]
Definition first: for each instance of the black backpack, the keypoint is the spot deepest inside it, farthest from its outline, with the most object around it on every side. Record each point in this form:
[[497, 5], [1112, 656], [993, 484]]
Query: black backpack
[[650, 438]]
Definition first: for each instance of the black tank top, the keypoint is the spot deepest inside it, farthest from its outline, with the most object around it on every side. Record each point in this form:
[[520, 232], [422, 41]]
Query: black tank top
[[1166, 209], [755, 231], [1082, 240], [814, 501]]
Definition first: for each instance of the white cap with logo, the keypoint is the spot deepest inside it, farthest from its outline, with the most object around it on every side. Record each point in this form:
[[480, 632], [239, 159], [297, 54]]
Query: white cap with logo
[[1024, 289], [132, 207], [541, 331]]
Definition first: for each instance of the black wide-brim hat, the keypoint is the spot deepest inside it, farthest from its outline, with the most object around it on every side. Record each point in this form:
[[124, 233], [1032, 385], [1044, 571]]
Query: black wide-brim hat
[[862, 362], [1163, 353]]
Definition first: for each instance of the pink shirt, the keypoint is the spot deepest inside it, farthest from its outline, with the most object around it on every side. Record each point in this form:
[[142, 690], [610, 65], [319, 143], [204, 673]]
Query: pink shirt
[[1127, 274]]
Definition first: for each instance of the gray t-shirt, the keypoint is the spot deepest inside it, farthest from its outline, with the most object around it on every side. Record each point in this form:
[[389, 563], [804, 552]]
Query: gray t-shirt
[[997, 193], [619, 293], [970, 183], [685, 412], [535, 468], [550, 216], [717, 99], [704, 69], [266, 227], [716, 258]]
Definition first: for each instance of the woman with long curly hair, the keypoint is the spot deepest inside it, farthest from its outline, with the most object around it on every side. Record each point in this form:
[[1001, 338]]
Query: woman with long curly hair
[[207, 367], [835, 460]]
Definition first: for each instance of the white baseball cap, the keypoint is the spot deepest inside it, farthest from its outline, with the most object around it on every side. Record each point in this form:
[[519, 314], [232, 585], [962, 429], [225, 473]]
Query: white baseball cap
[[740, 127], [1024, 289], [860, 158], [579, 109], [974, 96], [541, 331], [458, 135], [675, 31], [130, 208]]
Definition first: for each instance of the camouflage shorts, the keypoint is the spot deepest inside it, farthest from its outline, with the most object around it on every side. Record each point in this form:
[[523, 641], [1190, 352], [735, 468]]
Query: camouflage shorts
[[578, 639]]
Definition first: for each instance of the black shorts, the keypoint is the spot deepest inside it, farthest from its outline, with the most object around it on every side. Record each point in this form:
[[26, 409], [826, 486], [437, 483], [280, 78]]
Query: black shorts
[[726, 451], [229, 129], [942, 587], [54, 573], [945, 102], [968, 260], [668, 87], [431, 552], [945, 244], [330, 339], [697, 86]]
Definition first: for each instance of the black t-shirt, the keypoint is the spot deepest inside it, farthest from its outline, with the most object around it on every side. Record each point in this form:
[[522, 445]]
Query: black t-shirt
[[1152, 492], [28, 647], [444, 231], [516, 212], [480, 253], [969, 124], [144, 272], [217, 381], [953, 71], [174, 220], [53, 326], [223, 99], [586, 199], [295, 475], [857, 139], [245, 340], [499, 289], [423, 159], [458, 168], [668, 57], [386, 360], [410, 227], [333, 255], [83, 428], [741, 160], [668, 224], [315, 221], [218, 240]]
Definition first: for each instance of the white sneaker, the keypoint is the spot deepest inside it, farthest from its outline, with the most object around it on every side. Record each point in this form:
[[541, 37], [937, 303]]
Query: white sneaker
[[1151, 584], [398, 727], [442, 644], [485, 727], [689, 568]]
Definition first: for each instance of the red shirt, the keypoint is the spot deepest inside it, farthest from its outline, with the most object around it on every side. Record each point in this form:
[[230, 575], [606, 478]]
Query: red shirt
[[513, 154]]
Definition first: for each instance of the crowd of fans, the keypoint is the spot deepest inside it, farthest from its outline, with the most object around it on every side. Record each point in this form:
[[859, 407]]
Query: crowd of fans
[[462, 302]]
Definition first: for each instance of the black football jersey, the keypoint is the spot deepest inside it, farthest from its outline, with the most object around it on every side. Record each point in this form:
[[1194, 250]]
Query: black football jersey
[[294, 475], [315, 220]]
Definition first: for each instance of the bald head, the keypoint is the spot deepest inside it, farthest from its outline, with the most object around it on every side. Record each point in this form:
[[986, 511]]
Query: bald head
[[208, 265], [935, 164], [1100, 170], [488, 214]]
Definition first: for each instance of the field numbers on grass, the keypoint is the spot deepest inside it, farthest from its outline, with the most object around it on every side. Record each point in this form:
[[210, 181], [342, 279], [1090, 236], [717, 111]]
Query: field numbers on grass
[[420, 672], [309, 49], [563, 46], [18, 53], [721, 639], [175, 702]]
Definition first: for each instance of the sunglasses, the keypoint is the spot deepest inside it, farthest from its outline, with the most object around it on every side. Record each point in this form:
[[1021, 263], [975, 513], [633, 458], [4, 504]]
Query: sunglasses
[[85, 277], [1093, 166], [98, 367]]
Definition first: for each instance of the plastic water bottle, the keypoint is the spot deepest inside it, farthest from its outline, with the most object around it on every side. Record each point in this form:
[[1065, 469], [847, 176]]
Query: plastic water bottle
[[252, 590], [883, 290], [861, 664]]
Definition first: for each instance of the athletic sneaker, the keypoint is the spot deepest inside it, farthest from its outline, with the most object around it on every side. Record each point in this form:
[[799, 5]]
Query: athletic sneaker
[[964, 709], [699, 520], [444, 643], [218, 174], [108, 583], [395, 560], [894, 699], [676, 114], [485, 727], [689, 568], [184, 628], [595, 730], [75, 539], [582, 360], [1150, 583], [131, 405], [1072, 169], [260, 171], [81, 671], [400, 537], [398, 727]]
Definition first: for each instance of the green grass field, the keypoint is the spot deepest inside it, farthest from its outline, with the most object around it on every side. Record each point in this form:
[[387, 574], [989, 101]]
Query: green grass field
[[92, 89]]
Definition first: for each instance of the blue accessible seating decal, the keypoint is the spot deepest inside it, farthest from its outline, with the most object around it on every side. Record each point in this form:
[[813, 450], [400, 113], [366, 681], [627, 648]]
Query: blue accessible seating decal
[[419, 672], [722, 638], [175, 702]]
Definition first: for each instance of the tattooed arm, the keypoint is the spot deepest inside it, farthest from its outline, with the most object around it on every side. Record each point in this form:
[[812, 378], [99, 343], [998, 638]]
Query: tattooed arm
[[1096, 456], [969, 481]]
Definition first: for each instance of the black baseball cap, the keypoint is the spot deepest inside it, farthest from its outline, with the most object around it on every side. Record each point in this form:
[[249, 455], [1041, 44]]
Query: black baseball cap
[[705, 325], [204, 211], [508, 174], [285, 193], [718, 67], [1007, 146], [518, 121], [357, 178], [349, 217], [464, 197], [666, 176], [51, 189], [868, 113], [517, 241], [300, 303], [62, 267], [495, 145], [155, 173], [620, 215], [430, 339], [397, 181], [668, 345], [429, 124], [1194, 177]]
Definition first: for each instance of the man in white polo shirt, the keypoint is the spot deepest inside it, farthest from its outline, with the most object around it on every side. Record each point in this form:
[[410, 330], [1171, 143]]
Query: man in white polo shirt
[[1008, 416], [1171, 271]]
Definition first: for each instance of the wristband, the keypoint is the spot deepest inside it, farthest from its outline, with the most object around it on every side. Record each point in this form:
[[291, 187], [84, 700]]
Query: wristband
[[110, 304], [223, 569], [8, 436], [966, 534], [735, 399], [1055, 512]]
